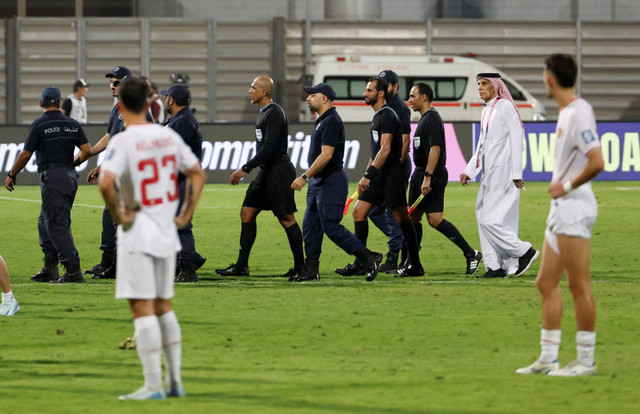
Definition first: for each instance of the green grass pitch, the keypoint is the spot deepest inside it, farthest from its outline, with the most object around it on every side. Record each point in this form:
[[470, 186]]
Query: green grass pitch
[[444, 343]]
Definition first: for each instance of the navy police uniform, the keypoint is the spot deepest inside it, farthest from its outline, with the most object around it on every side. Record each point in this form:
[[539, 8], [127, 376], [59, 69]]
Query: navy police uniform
[[186, 125], [327, 191], [429, 133], [271, 188], [54, 138], [388, 186]]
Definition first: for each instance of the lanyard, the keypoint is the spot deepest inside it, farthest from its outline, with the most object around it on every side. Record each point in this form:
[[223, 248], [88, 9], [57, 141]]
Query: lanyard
[[486, 126]]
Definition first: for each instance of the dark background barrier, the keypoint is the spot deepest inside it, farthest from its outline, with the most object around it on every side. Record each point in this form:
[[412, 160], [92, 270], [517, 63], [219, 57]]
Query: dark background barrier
[[227, 147]]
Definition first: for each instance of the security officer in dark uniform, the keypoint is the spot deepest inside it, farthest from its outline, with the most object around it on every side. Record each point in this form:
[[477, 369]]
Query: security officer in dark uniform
[[328, 188], [184, 122], [106, 269], [431, 177], [271, 189], [384, 178], [54, 138]]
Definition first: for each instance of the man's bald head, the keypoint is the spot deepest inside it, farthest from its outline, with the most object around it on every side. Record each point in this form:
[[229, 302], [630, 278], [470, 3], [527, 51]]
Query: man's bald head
[[261, 90]]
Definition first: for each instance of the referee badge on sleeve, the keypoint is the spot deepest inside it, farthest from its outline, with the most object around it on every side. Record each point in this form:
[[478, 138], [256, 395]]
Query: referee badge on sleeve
[[416, 142], [258, 134], [376, 138]]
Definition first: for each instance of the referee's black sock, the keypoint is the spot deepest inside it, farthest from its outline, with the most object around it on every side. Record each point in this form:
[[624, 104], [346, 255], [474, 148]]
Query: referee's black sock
[[362, 230], [409, 232], [295, 242], [247, 237], [418, 228], [452, 233]]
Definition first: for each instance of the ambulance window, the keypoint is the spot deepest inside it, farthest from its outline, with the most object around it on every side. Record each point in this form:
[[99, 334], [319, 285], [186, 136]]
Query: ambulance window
[[347, 87], [340, 86], [444, 89], [402, 86], [356, 88], [515, 92]]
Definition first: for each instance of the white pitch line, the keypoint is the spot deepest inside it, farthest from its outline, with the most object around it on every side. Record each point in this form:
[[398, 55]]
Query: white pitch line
[[28, 200]]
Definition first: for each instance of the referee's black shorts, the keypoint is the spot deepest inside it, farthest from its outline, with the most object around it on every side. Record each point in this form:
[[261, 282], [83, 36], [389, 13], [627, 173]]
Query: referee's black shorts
[[433, 202], [389, 186], [271, 189]]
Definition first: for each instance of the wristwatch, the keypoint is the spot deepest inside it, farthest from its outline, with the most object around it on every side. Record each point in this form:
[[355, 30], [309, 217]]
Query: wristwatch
[[427, 174], [304, 177]]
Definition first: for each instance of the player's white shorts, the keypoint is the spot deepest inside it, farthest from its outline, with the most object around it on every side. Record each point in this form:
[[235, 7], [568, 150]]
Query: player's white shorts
[[570, 217], [141, 276]]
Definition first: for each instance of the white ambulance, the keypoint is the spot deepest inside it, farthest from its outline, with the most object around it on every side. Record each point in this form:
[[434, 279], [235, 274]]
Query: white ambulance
[[452, 78]]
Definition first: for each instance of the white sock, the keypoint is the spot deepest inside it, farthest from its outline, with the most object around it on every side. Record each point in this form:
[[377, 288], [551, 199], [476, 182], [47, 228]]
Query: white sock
[[549, 345], [586, 345], [172, 344], [7, 296], [148, 345]]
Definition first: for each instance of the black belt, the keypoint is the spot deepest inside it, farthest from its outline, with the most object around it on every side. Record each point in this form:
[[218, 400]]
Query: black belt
[[48, 166]]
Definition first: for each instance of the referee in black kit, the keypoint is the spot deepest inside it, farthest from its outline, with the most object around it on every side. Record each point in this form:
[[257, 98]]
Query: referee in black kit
[[54, 138], [430, 176], [328, 187], [385, 177], [271, 189]]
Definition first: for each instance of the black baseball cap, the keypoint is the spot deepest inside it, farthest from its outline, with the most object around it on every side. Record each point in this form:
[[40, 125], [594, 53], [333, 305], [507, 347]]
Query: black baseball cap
[[119, 72], [180, 93], [50, 96], [322, 88], [390, 76]]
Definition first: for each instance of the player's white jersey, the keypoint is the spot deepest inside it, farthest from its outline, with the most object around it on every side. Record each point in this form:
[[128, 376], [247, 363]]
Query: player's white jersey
[[576, 135], [145, 159]]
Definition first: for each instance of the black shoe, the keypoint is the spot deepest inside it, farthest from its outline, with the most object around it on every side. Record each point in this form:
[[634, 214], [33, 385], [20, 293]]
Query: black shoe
[[95, 269], [199, 261], [291, 274], [526, 260], [411, 271], [47, 274], [372, 265], [391, 264], [494, 274], [234, 270], [188, 273], [107, 273], [352, 269], [305, 276], [73, 274], [473, 263]]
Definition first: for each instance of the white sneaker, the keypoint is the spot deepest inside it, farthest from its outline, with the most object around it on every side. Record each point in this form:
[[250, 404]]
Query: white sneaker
[[539, 367], [574, 369], [145, 393], [9, 307]]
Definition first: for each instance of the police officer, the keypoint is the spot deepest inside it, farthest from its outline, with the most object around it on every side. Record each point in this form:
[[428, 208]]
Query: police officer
[[183, 121], [54, 138], [431, 177], [328, 188], [384, 178], [271, 189], [106, 269]]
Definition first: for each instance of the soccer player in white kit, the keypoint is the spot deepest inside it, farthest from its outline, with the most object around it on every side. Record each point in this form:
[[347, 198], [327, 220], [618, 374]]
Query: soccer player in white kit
[[573, 213], [499, 156], [143, 161]]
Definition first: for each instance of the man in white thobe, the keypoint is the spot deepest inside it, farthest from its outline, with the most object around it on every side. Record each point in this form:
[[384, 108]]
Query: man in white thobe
[[499, 156]]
